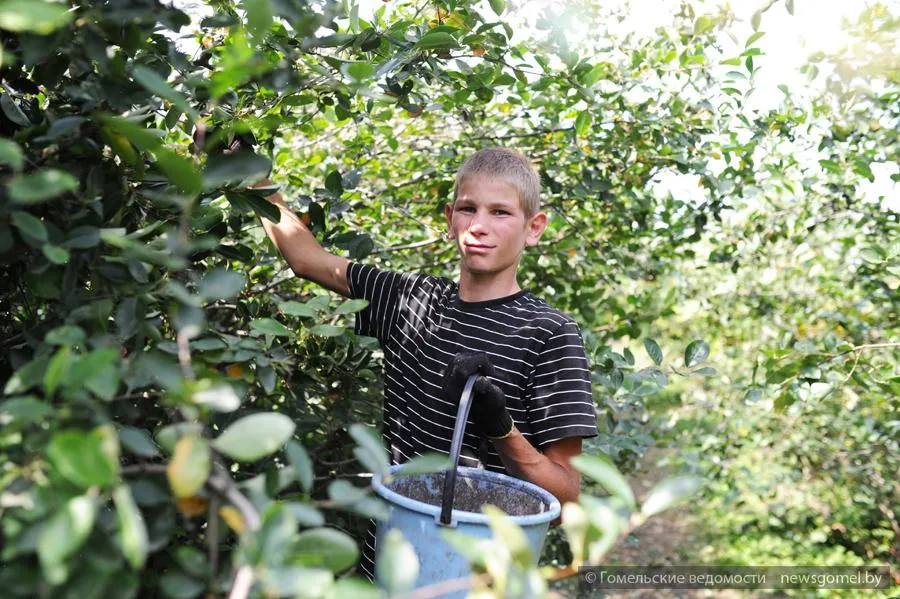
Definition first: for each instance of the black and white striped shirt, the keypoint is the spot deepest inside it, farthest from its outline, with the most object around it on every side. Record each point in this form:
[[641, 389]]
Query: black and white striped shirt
[[421, 324]]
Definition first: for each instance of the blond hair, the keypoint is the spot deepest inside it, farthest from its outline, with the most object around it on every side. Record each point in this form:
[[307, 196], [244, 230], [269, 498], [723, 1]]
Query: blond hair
[[508, 165]]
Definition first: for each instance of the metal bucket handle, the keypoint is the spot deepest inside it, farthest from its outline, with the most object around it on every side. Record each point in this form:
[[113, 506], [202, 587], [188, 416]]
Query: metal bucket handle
[[462, 414]]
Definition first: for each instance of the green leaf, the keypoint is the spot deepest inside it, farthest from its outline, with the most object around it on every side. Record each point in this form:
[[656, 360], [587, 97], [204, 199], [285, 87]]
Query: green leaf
[[295, 581], [354, 588], [358, 71], [511, 535], [221, 284], [232, 169], [12, 111], [29, 226], [26, 377], [301, 463], [596, 73], [177, 585], [696, 352], [327, 330], [259, 17], [11, 154], [334, 183], [168, 436], [99, 372], [81, 458], [55, 254], [352, 306], [269, 326], [34, 16], [498, 6], [397, 567], [437, 40], [152, 82], [220, 397], [179, 171], [604, 472], [669, 493], [143, 138], [132, 530], [63, 534], [424, 464], [26, 409], [789, 5], [255, 436], [371, 452], [703, 24], [305, 514], [81, 238], [706, 371], [264, 208], [298, 309], [190, 466], [583, 122], [326, 547], [873, 255], [755, 20], [753, 38], [193, 561], [137, 441], [654, 351]]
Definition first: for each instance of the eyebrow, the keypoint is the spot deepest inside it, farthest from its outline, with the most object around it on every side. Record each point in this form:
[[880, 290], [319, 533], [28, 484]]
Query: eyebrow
[[490, 203]]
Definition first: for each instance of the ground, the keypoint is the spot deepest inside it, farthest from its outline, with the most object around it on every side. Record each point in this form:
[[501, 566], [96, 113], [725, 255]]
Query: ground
[[669, 538]]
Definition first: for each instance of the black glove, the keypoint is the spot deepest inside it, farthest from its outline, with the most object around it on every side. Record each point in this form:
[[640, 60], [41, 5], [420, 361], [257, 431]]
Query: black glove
[[488, 411]]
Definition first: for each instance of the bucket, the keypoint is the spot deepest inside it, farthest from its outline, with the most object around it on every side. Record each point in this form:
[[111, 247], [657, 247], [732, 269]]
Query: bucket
[[421, 505]]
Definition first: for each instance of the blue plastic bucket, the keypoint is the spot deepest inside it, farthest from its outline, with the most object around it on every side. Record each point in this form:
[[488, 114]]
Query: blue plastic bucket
[[421, 505]]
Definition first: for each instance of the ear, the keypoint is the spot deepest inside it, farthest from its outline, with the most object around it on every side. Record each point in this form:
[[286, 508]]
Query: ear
[[534, 228], [448, 213]]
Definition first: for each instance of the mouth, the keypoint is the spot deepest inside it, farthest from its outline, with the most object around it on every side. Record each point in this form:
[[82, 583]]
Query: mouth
[[477, 248]]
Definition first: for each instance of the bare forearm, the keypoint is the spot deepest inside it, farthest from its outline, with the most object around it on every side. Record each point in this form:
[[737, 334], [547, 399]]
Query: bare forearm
[[524, 461], [301, 250]]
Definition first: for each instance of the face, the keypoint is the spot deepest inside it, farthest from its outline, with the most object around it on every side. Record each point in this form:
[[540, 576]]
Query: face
[[490, 226]]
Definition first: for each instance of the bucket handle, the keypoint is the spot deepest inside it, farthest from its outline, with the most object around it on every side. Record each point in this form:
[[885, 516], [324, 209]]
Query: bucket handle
[[462, 414]]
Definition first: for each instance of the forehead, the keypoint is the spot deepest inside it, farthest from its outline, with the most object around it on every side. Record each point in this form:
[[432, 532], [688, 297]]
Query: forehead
[[481, 189]]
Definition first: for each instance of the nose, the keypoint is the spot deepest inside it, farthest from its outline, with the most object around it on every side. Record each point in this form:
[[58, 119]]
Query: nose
[[477, 224]]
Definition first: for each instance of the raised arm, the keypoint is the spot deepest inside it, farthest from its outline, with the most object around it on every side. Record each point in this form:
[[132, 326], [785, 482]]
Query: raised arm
[[302, 251]]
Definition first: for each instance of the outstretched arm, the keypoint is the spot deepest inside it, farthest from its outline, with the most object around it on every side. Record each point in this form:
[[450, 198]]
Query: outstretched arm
[[302, 251]]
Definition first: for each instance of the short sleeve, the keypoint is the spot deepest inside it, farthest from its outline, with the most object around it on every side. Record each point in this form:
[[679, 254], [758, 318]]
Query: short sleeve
[[383, 289], [561, 403]]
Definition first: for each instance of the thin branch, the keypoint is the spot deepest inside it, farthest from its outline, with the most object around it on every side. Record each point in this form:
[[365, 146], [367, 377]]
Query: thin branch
[[212, 539], [409, 246], [184, 356], [446, 586]]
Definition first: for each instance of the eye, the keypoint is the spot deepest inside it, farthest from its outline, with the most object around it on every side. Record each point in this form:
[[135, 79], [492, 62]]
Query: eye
[[501, 212], [465, 209]]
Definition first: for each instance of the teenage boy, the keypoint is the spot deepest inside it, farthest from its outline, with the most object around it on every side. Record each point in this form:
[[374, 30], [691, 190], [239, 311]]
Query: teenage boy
[[532, 403]]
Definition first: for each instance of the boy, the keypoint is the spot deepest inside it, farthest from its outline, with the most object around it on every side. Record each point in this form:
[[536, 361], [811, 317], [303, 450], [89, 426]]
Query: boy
[[532, 403]]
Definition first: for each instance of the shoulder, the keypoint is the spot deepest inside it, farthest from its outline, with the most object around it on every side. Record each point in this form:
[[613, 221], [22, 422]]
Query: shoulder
[[543, 314], [368, 274]]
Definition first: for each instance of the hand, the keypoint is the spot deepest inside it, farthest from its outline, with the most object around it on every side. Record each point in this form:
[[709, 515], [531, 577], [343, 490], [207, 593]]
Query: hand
[[489, 411]]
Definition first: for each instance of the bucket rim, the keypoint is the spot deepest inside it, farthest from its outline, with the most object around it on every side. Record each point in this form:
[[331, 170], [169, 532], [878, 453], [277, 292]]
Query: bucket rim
[[460, 516]]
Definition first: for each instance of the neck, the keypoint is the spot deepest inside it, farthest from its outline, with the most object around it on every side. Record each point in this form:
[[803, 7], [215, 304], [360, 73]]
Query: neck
[[481, 288]]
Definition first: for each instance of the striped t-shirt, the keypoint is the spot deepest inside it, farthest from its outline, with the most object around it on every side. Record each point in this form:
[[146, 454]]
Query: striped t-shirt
[[421, 324]]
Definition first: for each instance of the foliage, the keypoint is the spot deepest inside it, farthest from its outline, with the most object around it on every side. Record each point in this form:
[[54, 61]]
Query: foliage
[[178, 411]]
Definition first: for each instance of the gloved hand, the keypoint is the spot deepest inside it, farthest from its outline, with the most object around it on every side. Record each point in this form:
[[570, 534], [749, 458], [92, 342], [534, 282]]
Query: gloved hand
[[488, 411]]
